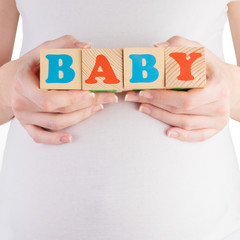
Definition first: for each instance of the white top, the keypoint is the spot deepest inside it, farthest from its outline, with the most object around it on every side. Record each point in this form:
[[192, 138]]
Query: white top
[[121, 178]]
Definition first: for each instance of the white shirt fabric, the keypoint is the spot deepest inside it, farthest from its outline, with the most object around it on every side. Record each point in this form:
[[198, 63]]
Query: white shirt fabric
[[122, 178]]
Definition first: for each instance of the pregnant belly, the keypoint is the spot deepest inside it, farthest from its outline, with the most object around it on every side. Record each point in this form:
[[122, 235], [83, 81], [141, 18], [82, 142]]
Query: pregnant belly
[[121, 178]]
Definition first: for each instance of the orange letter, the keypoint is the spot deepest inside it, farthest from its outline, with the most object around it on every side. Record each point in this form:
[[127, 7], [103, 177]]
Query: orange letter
[[185, 65], [107, 71]]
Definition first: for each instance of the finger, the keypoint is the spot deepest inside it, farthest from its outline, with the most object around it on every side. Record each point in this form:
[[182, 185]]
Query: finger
[[46, 100], [98, 98], [58, 121], [186, 100], [178, 41], [198, 135], [217, 108], [20, 103], [24, 104], [66, 41], [188, 122], [40, 135], [60, 101], [69, 101]]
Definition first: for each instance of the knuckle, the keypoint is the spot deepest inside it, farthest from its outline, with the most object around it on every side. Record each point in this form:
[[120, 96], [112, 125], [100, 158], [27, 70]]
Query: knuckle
[[87, 113], [35, 136], [16, 104], [19, 116], [70, 99], [223, 108], [54, 124], [225, 91], [17, 86], [177, 39], [84, 114], [64, 110], [186, 137], [73, 99], [187, 124], [175, 110], [44, 103], [203, 137], [67, 37], [188, 104], [225, 119], [46, 43]]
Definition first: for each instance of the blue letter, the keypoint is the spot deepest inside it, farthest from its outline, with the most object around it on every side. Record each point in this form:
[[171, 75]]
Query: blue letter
[[54, 68], [138, 68]]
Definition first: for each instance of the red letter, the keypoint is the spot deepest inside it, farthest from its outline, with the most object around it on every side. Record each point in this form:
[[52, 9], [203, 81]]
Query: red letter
[[185, 65], [107, 71]]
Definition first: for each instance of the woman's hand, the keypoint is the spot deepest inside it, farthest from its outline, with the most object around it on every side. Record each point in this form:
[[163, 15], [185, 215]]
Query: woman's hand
[[196, 114], [40, 110]]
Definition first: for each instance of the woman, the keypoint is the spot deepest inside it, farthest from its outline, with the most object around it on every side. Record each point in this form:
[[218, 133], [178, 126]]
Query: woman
[[168, 174]]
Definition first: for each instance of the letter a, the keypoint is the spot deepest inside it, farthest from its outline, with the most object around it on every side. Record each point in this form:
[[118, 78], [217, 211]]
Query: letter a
[[107, 71]]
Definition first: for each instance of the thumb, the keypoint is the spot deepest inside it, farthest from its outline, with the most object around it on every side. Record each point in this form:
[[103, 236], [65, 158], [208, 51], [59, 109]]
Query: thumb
[[178, 41], [66, 41]]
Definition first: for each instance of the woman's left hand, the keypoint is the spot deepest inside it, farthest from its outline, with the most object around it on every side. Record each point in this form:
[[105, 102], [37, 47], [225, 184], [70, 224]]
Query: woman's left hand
[[196, 114]]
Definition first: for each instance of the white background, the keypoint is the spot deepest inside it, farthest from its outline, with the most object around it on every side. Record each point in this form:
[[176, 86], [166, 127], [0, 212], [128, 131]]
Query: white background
[[229, 57]]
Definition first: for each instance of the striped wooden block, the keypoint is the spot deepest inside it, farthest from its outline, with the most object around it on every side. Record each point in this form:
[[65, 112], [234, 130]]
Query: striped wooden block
[[143, 68], [102, 69], [60, 69], [185, 67]]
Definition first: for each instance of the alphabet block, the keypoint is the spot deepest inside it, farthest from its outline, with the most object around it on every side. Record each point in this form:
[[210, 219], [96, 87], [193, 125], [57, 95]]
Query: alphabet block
[[60, 68], [185, 67], [143, 68], [102, 69]]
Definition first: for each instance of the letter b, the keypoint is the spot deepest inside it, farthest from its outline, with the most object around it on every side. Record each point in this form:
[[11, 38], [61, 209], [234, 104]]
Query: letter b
[[138, 68], [55, 68]]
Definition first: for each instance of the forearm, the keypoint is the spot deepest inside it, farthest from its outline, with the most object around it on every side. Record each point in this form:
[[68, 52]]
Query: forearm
[[6, 80], [235, 91]]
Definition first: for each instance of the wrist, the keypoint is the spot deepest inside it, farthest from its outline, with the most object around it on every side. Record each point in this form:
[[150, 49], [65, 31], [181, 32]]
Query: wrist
[[234, 82], [7, 73]]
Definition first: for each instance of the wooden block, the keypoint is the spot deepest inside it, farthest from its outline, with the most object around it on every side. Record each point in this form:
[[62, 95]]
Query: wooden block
[[185, 67], [143, 68], [102, 69], [60, 68]]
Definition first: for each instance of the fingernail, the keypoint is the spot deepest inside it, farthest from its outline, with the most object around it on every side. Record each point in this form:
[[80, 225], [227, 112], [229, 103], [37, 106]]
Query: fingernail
[[97, 108], [66, 139], [82, 45], [145, 94], [163, 44], [131, 98], [173, 134], [145, 109], [93, 94], [116, 99], [109, 99], [89, 45]]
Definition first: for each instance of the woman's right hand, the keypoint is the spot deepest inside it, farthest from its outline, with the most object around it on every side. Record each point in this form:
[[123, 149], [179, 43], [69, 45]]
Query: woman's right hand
[[44, 113]]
